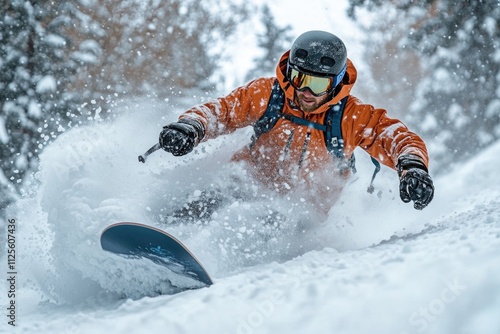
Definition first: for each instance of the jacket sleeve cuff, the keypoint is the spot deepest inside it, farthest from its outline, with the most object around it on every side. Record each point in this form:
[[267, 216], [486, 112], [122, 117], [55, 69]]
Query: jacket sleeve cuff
[[407, 161], [200, 129]]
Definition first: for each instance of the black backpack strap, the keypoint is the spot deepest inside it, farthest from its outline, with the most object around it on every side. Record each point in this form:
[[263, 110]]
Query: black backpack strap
[[333, 139], [333, 134], [273, 112], [335, 143], [304, 122]]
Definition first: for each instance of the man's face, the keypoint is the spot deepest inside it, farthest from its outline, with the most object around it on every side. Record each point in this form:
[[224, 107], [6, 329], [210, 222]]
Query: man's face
[[308, 102]]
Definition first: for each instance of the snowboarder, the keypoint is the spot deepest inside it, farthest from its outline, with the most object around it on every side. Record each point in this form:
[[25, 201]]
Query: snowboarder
[[289, 152]]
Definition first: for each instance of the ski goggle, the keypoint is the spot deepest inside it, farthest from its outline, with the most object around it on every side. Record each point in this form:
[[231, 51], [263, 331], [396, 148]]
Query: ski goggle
[[317, 85]]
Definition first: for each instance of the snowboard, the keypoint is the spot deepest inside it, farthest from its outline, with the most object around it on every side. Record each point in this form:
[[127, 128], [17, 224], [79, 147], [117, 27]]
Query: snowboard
[[138, 240]]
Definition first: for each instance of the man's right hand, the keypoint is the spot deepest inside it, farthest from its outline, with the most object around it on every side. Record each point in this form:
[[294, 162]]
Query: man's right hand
[[179, 138]]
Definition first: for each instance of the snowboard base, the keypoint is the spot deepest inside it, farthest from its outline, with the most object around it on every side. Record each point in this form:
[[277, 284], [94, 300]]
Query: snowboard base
[[139, 240]]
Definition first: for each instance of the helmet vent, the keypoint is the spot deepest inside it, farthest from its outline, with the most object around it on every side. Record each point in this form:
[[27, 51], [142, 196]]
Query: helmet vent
[[327, 61], [301, 53]]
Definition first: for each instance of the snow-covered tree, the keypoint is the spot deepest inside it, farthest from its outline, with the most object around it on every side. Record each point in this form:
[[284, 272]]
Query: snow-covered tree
[[273, 41], [456, 104], [37, 63]]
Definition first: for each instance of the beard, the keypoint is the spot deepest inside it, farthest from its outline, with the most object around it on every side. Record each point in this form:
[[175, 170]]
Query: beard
[[310, 103]]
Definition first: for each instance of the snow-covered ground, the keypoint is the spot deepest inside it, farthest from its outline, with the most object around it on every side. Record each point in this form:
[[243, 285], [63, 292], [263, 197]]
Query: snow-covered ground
[[375, 266]]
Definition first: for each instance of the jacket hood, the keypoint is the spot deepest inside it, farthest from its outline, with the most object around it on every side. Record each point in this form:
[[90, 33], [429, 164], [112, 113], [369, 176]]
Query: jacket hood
[[351, 76]]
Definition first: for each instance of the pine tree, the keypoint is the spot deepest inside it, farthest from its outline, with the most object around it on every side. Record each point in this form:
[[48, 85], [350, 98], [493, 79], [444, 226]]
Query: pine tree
[[37, 63], [274, 41]]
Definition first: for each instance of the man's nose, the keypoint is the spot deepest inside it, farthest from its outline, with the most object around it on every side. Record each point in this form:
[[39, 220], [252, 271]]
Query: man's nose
[[307, 92]]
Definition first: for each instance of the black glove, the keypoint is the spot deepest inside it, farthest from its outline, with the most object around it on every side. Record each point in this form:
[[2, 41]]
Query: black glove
[[181, 137], [415, 182]]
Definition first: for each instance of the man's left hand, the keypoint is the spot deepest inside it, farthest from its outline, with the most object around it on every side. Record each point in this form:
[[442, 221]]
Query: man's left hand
[[415, 182]]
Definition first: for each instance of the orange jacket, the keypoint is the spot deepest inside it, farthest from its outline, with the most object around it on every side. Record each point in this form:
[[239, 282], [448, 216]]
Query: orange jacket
[[294, 156]]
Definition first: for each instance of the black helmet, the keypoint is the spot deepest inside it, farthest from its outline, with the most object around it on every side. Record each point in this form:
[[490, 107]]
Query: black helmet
[[320, 53]]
